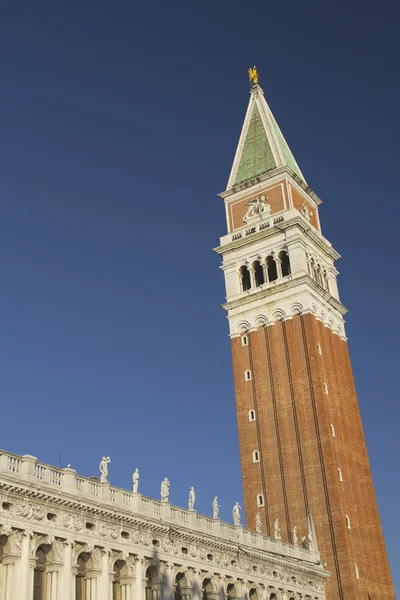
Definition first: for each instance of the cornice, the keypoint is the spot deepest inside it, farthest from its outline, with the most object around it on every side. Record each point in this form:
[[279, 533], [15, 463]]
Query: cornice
[[294, 221]]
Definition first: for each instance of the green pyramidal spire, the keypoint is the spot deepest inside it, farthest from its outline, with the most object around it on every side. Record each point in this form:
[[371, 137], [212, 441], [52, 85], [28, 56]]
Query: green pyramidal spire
[[262, 146]]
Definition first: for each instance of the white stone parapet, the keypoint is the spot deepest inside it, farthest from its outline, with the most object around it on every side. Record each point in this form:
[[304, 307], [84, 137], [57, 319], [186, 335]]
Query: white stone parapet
[[64, 507]]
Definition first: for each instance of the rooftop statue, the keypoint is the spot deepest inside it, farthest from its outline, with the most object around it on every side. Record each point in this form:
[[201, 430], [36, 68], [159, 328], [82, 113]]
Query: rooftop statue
[[236, 513], [135, 481], [165, 485], [192, 499], [253, 76], [103, 466], [215, 507]]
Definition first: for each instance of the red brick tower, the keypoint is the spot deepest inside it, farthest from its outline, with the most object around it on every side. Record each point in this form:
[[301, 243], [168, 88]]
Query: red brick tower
[[301, 438]]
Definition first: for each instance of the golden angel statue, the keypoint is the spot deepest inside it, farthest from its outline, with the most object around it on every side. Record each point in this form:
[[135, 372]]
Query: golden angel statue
[[253, 76]]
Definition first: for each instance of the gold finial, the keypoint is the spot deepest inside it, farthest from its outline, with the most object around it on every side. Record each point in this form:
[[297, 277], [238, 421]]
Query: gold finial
[[253, 76]]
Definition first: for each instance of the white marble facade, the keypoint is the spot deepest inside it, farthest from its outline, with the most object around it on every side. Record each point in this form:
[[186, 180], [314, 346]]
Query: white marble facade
[[67, 537]]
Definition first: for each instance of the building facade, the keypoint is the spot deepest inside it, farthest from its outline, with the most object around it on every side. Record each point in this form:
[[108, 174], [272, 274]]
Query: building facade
[[301, 439], [67, 537]]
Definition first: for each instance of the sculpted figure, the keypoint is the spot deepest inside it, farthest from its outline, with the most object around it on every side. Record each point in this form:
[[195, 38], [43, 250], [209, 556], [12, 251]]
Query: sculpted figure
[[258, 523], [165, 485], [310, 542], [215, 507], [253, 76], [104, 468], [135, 481], [192, 499], [277, 530], [305, 212], [236, 513], [295, 538], [258, 206]]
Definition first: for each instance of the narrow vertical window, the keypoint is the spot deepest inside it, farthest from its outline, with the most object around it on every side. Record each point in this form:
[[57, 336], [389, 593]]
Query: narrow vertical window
[[247, 375], [256, 456], [326, 389], [340, 474], [258, 273], [333, 431], [245, 340], [260, 500], [319, 349], [285, 263], [271, 269], [348, 524], [356, 570], [252, 415]]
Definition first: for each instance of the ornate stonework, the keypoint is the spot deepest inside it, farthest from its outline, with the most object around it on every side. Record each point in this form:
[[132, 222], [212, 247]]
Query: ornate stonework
[[113, 542]]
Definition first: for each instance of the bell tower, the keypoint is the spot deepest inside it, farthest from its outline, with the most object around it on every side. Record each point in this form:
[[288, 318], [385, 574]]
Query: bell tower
[[302, 445]]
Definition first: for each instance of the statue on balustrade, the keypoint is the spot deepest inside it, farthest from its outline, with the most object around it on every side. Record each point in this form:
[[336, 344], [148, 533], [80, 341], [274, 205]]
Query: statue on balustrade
[[192, 499], [236, 513], [104, 468], [277, 530], [165, 485], [135, 481], [215, 507], [258, 523]]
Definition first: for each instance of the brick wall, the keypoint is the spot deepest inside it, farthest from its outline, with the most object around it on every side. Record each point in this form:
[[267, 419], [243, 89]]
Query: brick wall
[[299, 456]]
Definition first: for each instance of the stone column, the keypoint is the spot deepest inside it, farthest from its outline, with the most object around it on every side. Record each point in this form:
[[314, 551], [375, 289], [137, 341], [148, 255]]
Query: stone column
[[140, 583], [67, 573], [278, 263], [252, 277], [11, 565], [265, 272], [25, 574]]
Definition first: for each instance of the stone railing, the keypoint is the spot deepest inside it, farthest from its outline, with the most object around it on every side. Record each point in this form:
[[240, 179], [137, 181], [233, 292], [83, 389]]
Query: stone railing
[[27, 469]]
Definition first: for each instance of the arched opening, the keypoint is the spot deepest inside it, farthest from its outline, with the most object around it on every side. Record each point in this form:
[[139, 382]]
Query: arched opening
[[153, 583], [325, 280], [271, 269], [253, 594], [116, 584], [285, 263], [245, 278], [183, 587], [258, 273], [208, 590], [40, 582], [80, 579]]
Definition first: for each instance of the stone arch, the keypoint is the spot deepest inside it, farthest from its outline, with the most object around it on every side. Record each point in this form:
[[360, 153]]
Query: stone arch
[[210, 586], [245, 279], [260, 321], [243, 327], [183, 585], [82, 561], [296, 308], [278, 314]]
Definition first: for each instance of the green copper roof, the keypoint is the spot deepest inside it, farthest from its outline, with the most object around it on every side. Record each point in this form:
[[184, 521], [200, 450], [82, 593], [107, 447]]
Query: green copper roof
[[256, 156], [287, 155]]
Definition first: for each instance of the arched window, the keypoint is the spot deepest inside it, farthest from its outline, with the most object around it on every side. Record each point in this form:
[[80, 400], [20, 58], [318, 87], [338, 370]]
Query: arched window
[[252, 415], [245, 278], [260, 500], [357, 572], [285, 263], [256, 456], [271, 268], [326, 389], [247, 375], [258, 273], [348, 524], [319, 348], [333, 431], [340, 474], [245, 340]]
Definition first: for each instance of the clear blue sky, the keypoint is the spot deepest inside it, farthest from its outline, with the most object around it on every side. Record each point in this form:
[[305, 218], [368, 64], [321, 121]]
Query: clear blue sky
[[119, 122]]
